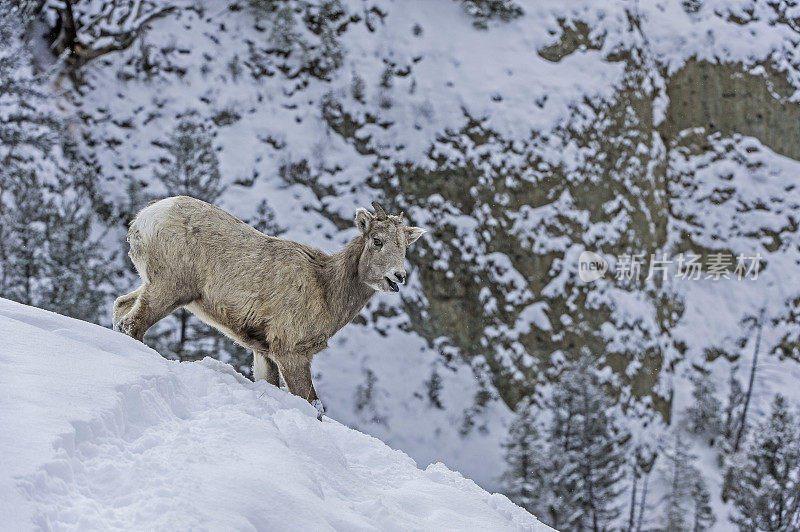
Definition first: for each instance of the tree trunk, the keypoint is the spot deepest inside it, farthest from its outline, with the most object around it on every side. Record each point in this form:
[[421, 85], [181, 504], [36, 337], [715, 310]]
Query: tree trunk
[[750, 383], [642, 504], [632, 516]]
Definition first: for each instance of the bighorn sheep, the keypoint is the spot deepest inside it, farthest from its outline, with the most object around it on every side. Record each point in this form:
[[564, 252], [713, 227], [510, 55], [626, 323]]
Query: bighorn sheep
[[281, 299]]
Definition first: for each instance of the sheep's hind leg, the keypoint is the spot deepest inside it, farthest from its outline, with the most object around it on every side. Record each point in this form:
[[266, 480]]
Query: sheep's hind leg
[[264, 368], [296, 372]]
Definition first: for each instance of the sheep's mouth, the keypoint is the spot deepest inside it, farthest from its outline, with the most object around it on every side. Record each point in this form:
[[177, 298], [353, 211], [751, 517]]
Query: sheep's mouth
[[392, 285]]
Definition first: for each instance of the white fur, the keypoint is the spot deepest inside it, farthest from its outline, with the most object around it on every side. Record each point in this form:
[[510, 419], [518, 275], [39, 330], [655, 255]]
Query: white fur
[[143, 230], [148, 220], [260, 370]]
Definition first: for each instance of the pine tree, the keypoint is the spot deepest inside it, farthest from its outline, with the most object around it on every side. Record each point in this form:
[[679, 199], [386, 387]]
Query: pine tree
[[22, 229], [686, 505], [191, 167], [28, 126], [593, 448], [434, 387], [266, 221], [703, 517], [703, 416], [50, 255], [484, 10], [572, 476], [302, 38], [732, 413], [77, 269], [526, 473], [764, 483]]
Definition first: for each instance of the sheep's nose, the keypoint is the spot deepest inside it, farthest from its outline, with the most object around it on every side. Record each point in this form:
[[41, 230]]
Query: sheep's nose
[[400, 277]]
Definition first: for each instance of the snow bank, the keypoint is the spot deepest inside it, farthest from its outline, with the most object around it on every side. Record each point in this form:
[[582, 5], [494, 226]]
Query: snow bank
[[101, 432]]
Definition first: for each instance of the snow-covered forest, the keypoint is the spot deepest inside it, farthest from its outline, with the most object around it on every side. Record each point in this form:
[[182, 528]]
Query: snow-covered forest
[[662, 136]]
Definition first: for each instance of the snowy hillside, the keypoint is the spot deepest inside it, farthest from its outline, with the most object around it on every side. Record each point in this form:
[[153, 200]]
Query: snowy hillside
[[100, 432]]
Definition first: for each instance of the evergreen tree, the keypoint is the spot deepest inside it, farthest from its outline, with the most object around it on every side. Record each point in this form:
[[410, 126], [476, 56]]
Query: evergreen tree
[[764, 483], [78, 271], [573, 479], [525, 451], [732, 413], [703, 517], [50, 256], [703, 416], [302, 38], [28, 126], [485, 10], [22, 228], [686, 505], [191, 167], [266, 221], [588, 449]]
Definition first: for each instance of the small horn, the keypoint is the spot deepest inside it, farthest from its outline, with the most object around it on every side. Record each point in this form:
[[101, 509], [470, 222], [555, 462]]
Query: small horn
[[380, 214]]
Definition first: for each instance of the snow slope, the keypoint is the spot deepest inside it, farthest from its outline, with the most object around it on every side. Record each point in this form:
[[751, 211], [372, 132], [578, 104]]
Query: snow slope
[[100, 432]]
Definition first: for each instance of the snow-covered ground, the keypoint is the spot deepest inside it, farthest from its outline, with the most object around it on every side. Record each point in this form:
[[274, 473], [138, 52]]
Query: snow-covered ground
[[100, 432]]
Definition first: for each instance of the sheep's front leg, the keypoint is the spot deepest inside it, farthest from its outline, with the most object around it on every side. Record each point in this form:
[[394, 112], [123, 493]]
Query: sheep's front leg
[[296, 371], [124, 304], [153, 304]]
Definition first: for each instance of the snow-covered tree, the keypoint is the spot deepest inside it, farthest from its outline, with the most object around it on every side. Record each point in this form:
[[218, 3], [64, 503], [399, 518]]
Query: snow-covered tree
[[686, 504], [703, 517], [526, 459], [266, 221], [485, 10], [302, 38], [764, 482], [50, 254], [585, 430], [731, 416], [190, 166], [703, 415], [87, 30], [28, 125], [572, 476]]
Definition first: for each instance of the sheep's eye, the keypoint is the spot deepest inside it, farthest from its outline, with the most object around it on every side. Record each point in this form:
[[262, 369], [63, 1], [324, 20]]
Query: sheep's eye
[[378, 242]]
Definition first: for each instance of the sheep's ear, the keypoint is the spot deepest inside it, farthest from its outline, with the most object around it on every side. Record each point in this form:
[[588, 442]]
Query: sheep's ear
[[363, 220], [413, 233]]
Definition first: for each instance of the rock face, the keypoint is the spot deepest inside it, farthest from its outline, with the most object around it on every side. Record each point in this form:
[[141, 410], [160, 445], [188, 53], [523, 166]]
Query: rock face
[[628, 172], [730, 99], [531, 214]]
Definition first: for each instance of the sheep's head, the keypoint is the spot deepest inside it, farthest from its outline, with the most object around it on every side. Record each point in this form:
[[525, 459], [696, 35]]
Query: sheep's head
[[386, 238]]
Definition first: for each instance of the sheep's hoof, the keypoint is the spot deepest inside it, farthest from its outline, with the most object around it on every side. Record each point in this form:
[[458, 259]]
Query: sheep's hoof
[[128, 327], [125, 326], [316, 403]]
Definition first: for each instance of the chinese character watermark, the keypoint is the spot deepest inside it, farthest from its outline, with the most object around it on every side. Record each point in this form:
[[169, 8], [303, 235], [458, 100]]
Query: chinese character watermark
[[591, 266], [684, 266]]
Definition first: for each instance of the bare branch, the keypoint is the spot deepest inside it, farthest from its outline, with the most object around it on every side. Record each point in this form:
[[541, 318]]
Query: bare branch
[[87, 35]]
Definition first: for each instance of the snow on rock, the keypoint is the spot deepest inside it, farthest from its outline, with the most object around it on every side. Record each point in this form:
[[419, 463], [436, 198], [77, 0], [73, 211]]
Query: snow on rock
[[100, 432]]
